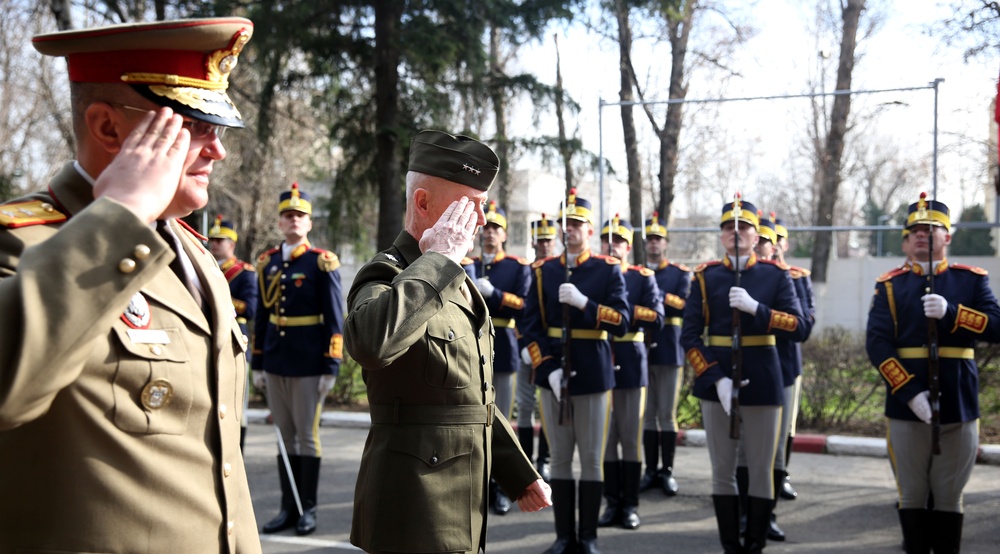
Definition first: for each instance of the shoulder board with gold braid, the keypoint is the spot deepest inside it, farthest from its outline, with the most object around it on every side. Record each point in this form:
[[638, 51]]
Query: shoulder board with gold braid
[[26, 214], [264, 258], [972, 268], [776, 263], [610, 260], [232, 271], [704, 265], [892, 273], [682, 267], [522, 261], [248, 267], [466, 261], [798, 272], [327, 261], [539, 263], [644, 271]]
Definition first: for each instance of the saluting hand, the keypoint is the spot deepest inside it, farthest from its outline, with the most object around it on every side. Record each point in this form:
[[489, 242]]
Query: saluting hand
[[145, 174], [538, 495], [452, 235]]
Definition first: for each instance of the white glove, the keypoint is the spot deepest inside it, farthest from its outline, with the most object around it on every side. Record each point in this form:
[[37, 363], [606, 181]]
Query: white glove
[[555, 381], [935, 306], [921, 406], [724, 387], [569, 294], [326, 383], [259, 382], [526, 356], [485, 286], [741, 300]]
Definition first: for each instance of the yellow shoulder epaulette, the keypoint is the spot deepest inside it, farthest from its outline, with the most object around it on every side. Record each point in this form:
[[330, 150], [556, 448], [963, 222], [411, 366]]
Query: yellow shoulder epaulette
[[892, 273], [522, 261], [264, 258], [777, 263], [610, 260], [972, 268], [644, 271], [248, 267], [683, 267], [800, 272], [702, 267], [539, 263], [327, 261], [466, 261], [25, 214]]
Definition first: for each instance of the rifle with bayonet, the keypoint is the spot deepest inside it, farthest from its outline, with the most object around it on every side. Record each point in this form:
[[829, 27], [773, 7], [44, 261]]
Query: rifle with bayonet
[[735, 418], [565, 410], [933, 355]]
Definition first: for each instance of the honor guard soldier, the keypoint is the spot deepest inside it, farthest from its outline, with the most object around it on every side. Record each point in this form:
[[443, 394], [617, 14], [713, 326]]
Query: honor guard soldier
[[752, 314], [622, 470], [242, 279], [922, 307], [123, 367], [543, 240], [791, 364], [298, 345], [666, 362], [503, 282], [578, 298], [423, 336]]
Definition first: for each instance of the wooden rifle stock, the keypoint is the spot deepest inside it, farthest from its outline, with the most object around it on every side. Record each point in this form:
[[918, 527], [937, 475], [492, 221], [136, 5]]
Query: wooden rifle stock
[[565, 413], [735, 418]]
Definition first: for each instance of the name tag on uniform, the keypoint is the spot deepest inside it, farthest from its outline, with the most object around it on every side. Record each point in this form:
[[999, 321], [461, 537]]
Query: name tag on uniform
[[148, 336]]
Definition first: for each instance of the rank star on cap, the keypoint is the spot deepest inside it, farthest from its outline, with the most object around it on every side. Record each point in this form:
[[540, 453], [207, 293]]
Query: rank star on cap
[[471, 169]]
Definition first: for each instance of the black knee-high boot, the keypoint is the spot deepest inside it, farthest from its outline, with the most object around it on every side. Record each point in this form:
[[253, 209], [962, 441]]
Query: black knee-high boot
[[668, 445], [786, 490], [288, 515], [916, 523], [743, 487], [564, 508], [758, 520], [612, 494], [590, 508], [727, 516], [651, 451], [774, 533], [308, 492], [631, 473], [947, 536]]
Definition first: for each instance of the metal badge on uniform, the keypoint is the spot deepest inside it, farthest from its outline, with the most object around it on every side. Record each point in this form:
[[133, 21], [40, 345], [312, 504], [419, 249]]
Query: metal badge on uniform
[[298, 278], [137, 315], [272, 270], [392, 258], [157, 394]]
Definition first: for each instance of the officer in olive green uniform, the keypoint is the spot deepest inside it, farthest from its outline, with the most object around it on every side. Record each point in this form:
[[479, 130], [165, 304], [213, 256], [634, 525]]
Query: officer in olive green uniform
[[424, 338], [122, 367]]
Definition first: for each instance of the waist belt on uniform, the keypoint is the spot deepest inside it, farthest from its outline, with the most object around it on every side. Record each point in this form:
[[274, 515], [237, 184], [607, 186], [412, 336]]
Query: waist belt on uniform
[[502, 323], [750, 340], [637, 336], [296, 320], [588, 334], [956, 352], [675, 321], [427, 415]]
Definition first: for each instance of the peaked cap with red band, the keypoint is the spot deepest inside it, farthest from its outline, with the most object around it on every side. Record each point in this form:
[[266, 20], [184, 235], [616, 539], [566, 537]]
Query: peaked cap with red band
[[182, 64]]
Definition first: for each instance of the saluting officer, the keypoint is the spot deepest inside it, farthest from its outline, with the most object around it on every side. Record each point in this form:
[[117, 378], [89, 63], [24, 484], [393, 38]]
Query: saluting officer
[[298, 347], [423, 334], [623, 470], [666, 362], [503, 283], [962, 309], [791, 359], [543, 240], [242, 279], [594, 295], [123, 366], [767, 306]]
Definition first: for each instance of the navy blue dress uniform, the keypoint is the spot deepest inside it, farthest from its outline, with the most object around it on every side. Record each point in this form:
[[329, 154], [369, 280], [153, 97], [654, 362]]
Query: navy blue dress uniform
[[791, 357], [666, 369], [423, 336], [623, 470], [606, 313], [298, 341], [897, 344], [503, 281], [121, 395], [707, 337], [242, 276]]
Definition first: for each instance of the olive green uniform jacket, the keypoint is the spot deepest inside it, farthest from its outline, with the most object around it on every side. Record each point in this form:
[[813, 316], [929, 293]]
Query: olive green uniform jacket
[[112, 438], [427, 359]]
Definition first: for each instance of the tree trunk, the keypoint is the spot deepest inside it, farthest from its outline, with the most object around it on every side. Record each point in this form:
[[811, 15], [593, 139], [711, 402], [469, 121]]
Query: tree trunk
[[61, 11], [565, 151], [628, 123], [387, 155], [498, 98], [680, 30], [831, 163]]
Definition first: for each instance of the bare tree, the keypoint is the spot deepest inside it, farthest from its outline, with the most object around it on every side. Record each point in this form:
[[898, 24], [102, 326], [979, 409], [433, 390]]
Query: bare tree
[[623, 17], [565, 152]]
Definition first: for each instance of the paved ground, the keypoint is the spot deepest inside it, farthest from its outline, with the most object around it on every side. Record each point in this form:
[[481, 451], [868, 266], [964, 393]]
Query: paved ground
[[845, 504]]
